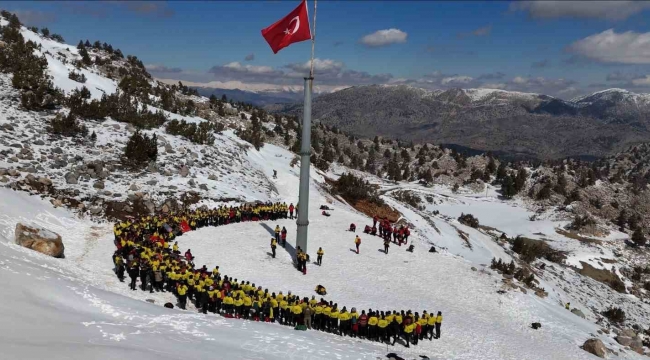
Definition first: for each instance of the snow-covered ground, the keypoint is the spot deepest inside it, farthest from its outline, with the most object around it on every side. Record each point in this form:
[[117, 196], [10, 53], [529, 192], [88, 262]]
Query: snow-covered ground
[[86, 304]]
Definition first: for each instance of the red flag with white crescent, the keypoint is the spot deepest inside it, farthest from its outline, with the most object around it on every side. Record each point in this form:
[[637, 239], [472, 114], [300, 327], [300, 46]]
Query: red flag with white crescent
[[291, 29]]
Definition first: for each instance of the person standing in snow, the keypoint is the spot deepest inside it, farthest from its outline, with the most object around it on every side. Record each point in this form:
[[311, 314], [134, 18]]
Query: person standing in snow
[[319, 258], [291, 208], [119, 267], [283, 236], [181, 290], [438, 324], [357, 242], [307, 312], [134, 270], [274, 244], [277, 233], [386, 245]]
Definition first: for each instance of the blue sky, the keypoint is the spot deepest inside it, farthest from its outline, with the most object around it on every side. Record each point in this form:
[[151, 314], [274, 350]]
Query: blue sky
[[560, 48]]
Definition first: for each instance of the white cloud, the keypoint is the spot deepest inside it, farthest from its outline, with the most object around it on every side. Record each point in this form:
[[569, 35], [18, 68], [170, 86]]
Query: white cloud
[[642, 82], [457, 80], [519, 80], [384, 37], [162, 68], [236, 66], [610, 10], [319, 65], [627, 48]]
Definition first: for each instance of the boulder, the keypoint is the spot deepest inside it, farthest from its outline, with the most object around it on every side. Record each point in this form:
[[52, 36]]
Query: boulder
[[624, 340], [473, 268], [578, 313], [71, 178], [596, 347], [98, 185], [152, 182], [45, 181], [184, 171], [212, 177], [628, 332], [95, 210], [39, 142], [203, 187], [39, 239]]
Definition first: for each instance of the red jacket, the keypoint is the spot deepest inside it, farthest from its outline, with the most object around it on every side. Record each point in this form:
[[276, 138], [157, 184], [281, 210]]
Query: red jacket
[[363, 320], [291, 207]]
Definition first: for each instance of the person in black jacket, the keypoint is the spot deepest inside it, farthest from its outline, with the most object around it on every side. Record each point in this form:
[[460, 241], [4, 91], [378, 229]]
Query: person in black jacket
[[393, 329], [134, 270]]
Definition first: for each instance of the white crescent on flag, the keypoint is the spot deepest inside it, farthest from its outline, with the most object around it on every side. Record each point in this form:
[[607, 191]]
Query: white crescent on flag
[[297, 20]]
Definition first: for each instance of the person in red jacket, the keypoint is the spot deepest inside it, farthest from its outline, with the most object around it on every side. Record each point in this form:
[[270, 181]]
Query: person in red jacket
[[374, 221], [284, 236], [291, 208], [363, 324], [407, 232]]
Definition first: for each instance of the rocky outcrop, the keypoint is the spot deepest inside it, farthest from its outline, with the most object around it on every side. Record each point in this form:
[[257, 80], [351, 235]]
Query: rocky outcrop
[[578, 313], [596, 347], [39, 239]]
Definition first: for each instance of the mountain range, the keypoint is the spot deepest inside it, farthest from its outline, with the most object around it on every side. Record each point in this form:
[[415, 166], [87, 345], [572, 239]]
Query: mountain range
[[510, 124]]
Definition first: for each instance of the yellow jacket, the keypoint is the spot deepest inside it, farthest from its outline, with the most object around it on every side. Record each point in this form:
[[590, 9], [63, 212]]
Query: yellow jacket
[[372, 321]]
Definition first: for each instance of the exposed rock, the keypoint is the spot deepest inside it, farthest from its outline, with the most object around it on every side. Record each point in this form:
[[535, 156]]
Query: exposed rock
[[165, 209], [150, 206], [184, 171], [578, 313], [203, 187], [98, 184], [624, 340], [169, 149], [213, 177], [39, 239], [95, 210], [45, 181], [30, 170], [628, 332], [13, 172], [39, 142], [57, 150], [596, 347], [130, 128], [152, 182], [473, 268], [17, 146], [134, 187], [71, 178], [191, 182]]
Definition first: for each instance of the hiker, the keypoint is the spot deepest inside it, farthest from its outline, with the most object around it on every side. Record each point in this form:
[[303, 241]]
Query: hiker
[[353, 227], [366, 230], [357, 242], [438, 324], [319, 258], [363, 324], [274, 243], [325, 213], [283, 236], [373, 231], [275, 174], [307, 312], [277, 233], [567, 306], [181, 290], [291, 208], [320, 289], [119, 267], [386, 245], [374, 221]]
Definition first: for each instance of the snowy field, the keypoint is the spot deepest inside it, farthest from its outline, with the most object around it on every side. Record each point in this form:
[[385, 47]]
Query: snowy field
[[108, 319]]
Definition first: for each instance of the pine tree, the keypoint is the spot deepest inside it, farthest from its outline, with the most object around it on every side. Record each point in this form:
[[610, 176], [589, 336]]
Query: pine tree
[[508, 187], [93, 137], [45, 31], [501, 171], [638, 237]]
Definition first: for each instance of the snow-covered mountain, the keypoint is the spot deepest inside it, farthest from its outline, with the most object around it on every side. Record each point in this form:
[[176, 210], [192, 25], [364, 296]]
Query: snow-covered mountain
[[75, 308], [520, 125]]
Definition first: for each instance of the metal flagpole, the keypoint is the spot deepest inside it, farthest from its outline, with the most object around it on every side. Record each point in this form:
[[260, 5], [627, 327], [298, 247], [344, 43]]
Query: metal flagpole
[[305, 153]]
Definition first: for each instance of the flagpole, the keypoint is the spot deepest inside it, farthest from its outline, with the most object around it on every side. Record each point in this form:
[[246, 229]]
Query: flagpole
[[305, 152]]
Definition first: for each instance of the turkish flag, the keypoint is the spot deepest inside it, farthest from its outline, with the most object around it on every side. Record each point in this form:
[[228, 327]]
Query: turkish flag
[[291, 29]]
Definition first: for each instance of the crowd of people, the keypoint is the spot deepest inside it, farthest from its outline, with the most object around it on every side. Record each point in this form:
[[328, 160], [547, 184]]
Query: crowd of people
[[388, 232], [146, 250]]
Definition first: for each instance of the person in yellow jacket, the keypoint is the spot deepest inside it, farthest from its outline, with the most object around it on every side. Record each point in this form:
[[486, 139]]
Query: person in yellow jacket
[[382, 333], [431, 324], [319, 258], [277, 233], [297, 312], [438, 324], [181, 290], [423, 325], [408, 333], [274, 244], [228, 302], [334, 320], [357, 243], [344, 322], [238, 302], [372, 326]]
